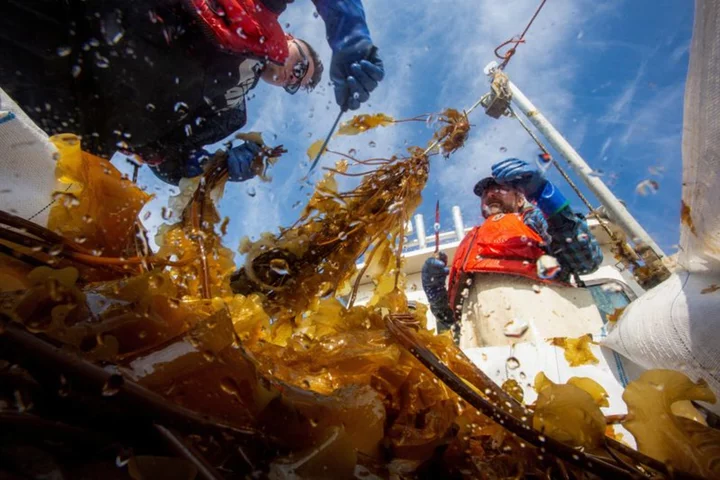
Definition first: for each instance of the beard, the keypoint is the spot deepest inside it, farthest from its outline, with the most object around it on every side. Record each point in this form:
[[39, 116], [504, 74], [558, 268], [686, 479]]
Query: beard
[[497, 207]]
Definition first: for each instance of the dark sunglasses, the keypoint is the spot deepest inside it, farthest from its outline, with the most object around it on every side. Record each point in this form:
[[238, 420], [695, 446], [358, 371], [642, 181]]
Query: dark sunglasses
[[300, 70]]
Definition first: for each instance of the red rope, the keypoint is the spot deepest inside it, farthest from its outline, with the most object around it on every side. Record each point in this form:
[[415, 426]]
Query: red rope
[[516, 40]]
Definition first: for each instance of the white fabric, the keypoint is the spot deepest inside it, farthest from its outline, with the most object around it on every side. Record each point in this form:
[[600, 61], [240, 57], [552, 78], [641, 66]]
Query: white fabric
[[27, 164], [675, 326], [701, 143]]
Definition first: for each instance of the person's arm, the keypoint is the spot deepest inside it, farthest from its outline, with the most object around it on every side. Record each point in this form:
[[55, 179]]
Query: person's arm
[[575, 248], [356, 68]]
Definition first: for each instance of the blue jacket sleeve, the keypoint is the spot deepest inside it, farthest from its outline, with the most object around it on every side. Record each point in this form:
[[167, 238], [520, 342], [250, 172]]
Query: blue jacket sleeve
[[574, 246], [345, 22]]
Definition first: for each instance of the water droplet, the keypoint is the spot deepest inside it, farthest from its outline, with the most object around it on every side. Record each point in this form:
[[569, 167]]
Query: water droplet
[[356, 96], [188, 130], [240, 33], [102, 62], [64, 51], [64, 389], [75, 71], [112, 385], [352, 152], [261, 40], [199, 121], [181, 108], [372, 144], [150, 107], [280, 266], [209, 356], [512, 363], [229, 386], [251, 191], [536, 288], [122, 459], [316, 14], [503, 149]]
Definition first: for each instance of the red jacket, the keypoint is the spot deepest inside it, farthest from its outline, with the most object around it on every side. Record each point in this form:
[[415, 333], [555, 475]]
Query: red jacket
[[502, 244], [245, 27]]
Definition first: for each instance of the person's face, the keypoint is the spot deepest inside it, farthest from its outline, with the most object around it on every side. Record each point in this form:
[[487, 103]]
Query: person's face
[[500, 199], [297, 72]]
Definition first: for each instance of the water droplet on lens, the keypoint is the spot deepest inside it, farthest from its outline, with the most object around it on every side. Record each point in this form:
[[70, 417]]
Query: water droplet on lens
[[512, 363], [102, 62], [112, 386]]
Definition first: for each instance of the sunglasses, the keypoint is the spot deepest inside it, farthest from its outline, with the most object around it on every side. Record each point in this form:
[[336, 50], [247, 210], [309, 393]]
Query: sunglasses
[[299, 72]]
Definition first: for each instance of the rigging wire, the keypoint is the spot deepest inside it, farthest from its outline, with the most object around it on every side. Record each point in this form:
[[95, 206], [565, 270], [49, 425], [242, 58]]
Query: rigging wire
[[516, 40]]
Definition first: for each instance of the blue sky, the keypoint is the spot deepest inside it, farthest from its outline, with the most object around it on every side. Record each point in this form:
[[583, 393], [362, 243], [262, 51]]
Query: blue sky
[[609, 74]]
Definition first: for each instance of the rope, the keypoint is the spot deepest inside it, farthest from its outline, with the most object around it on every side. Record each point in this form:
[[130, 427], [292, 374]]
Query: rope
[[517, 41]]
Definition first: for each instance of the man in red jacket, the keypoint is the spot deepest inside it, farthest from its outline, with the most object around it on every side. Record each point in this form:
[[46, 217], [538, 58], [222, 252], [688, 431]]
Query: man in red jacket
[[162, 78]]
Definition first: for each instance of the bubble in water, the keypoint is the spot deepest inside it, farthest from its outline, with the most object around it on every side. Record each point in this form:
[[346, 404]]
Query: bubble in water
[[356, 96], [64, 51], [150, 107], [75, 71], [536, 288], [261, 40], [188, 130], [352, 152], [503, 149], [372, 144], [251, 191], [199, 121], [512, 363], [316, 14], [112, 385], [240, 33]]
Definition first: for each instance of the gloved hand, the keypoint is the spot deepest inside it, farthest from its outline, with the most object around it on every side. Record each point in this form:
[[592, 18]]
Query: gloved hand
[[193, 164], [532, 182], [520, 174], [240, 160], [356, 68]]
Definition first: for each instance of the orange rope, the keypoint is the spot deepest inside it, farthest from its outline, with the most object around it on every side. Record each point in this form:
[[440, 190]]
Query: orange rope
[[516, 40]]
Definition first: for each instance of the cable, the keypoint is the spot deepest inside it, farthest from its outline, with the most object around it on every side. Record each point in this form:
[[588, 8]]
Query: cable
[[508, 55]]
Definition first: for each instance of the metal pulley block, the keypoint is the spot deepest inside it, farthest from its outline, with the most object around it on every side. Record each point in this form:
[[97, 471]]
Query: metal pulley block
[[497, 102]]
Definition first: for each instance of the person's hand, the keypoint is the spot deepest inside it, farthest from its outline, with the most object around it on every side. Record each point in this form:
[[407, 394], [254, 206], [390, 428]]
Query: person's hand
[[520, 174], [193, 164], [240, 161], [355, 70]]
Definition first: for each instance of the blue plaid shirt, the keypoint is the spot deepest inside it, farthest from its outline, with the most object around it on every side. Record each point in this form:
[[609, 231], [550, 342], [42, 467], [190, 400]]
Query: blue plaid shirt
[[569, 240]]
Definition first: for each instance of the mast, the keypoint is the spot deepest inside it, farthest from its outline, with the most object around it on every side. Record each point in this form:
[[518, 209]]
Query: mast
[[617, 211]]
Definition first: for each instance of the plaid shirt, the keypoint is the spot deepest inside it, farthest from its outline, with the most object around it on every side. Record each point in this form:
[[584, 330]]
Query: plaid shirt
[[569, 240]]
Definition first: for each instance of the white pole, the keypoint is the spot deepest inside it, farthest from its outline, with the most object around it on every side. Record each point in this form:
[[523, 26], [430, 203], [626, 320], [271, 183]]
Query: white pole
[[458, 222], [420, 227], [615, 209]]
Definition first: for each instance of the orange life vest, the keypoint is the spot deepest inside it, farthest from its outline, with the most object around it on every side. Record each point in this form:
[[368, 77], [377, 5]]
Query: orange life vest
[[502, 244]]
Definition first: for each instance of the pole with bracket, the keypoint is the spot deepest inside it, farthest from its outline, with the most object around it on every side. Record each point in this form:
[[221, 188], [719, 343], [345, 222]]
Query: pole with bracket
[[615, 209]]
